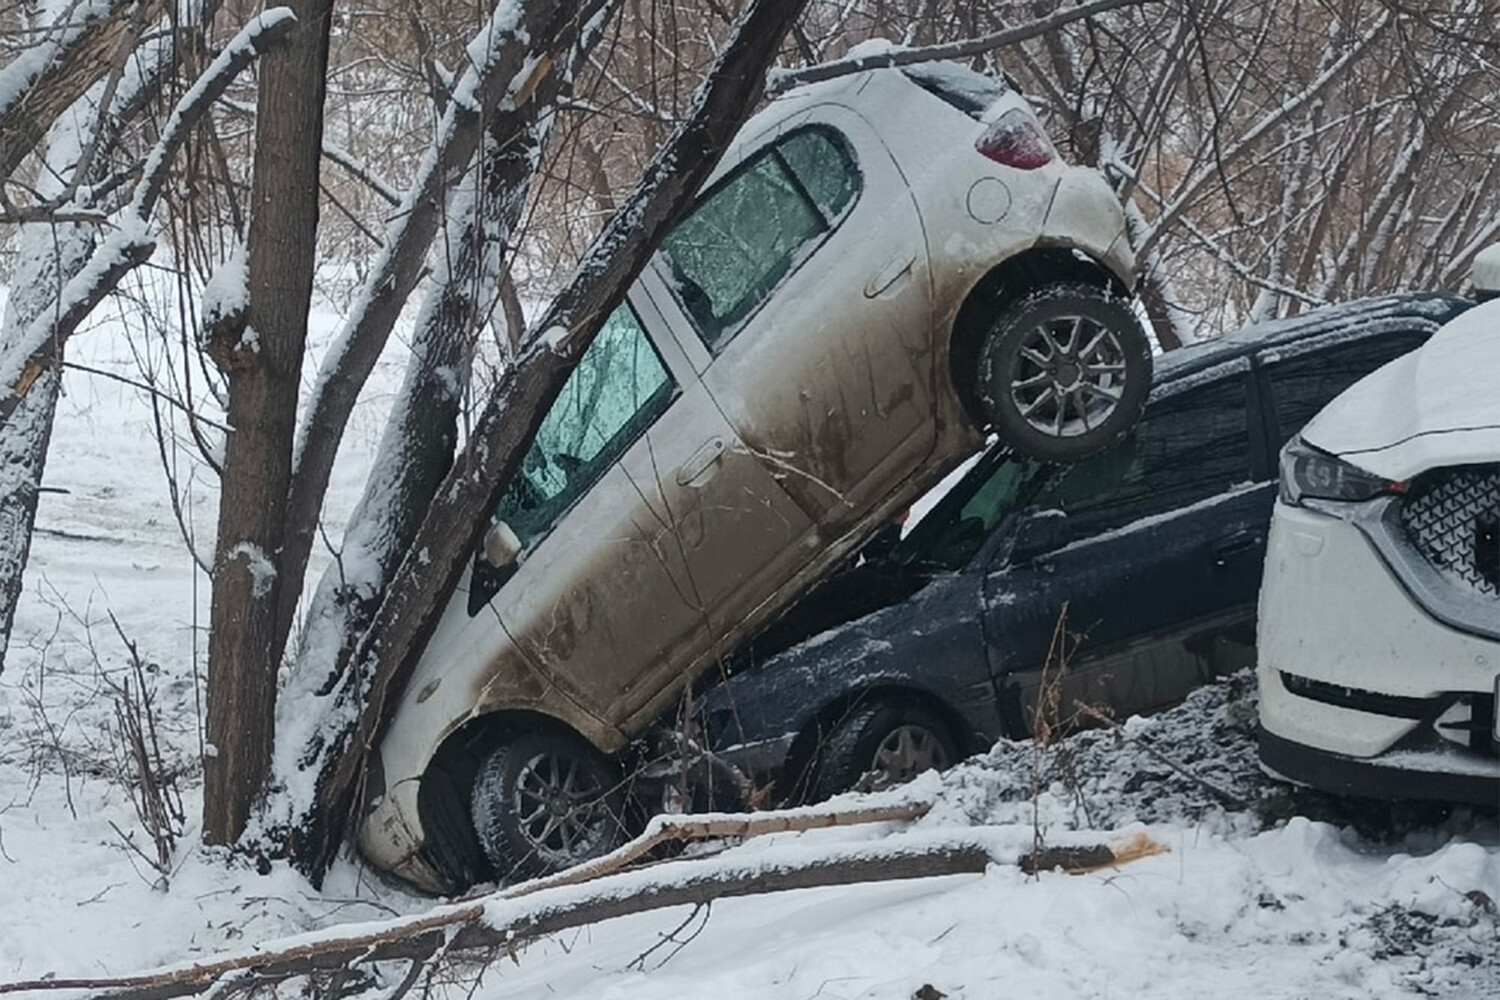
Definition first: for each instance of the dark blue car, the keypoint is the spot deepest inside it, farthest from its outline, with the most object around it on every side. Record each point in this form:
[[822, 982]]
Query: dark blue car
[[1126, 579]]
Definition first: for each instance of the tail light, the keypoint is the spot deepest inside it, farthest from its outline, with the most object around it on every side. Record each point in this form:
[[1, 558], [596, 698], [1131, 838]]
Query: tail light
[[1016, 141]]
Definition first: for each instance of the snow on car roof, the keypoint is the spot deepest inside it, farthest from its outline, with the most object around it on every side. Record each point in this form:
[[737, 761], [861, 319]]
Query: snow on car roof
[[1311, 330]]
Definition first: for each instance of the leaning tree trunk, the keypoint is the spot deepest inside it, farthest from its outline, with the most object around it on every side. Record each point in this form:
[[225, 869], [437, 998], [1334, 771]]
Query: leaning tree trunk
[[417, 448], [519, 49], [263, 367], [387, 652]]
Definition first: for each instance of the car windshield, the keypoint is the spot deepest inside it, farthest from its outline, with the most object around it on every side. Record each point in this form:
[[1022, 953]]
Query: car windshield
[[963, 88]]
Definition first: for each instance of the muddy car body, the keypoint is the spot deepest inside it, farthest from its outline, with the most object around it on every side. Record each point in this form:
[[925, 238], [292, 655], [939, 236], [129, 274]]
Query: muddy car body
[[801, 359], [912, 657]]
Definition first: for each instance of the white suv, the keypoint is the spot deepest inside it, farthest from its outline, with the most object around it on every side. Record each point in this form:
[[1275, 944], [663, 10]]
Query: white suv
[[1379, 633]]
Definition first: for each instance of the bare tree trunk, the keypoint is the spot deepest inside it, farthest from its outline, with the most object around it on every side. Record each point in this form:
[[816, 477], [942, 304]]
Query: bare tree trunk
[[417, 448], [74, 53], [263, 366], [50, 256], [387, 652], [540, 26]]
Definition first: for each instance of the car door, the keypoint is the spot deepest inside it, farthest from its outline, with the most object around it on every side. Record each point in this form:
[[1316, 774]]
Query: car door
[[803, 278], [594, 601], [1133, 563], [722, 531]]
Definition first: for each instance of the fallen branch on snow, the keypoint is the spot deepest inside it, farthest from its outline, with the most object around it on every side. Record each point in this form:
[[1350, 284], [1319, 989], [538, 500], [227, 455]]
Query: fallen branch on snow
[[506, 920]]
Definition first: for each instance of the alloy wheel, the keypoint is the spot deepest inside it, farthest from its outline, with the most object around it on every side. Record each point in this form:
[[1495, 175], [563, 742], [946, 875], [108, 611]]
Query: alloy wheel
[[1070, 374]]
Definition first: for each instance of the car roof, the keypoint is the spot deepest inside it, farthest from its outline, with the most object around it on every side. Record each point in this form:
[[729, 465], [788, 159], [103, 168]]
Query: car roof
[[1313, 329]]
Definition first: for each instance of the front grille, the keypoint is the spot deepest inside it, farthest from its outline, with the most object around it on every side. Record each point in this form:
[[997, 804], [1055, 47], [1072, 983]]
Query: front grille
[[1450, 517]]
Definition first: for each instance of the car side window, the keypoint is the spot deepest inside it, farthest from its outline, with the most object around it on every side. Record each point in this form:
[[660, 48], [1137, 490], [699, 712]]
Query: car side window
[[950, 535], [739, 242], [1188, 446], [618, 389], [1303, 385]]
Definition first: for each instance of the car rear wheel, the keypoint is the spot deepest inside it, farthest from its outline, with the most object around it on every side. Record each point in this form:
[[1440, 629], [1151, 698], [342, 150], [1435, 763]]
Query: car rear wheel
[[1064, 372], [545, 801], [881, 744]]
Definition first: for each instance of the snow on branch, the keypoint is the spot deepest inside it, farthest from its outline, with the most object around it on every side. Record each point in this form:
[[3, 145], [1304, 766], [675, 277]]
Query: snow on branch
[[507, 919], [44, 80], [132, 243], [781, 80], [263, 30], [1274, 119]]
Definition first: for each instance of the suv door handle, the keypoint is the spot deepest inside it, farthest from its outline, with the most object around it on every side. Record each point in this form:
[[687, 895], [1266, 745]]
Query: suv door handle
[[1235, 544], [702, 465]]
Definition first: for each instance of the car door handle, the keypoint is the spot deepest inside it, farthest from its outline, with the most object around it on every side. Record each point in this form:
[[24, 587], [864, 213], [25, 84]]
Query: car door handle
[[1238, 543], [892, 269], [700, 468]]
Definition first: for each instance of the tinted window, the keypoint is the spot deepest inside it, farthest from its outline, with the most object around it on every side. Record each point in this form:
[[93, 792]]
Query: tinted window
[[1303, 385], [738, 243], [619, 387], [950, 535], [1188, 447]]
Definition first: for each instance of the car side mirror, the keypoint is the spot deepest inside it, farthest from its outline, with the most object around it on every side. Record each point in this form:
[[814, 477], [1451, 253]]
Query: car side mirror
[[1040, 532], [495, 563], [501, 545]]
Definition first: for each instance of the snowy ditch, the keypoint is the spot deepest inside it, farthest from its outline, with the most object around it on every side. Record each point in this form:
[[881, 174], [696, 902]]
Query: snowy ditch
[[1263, 892]]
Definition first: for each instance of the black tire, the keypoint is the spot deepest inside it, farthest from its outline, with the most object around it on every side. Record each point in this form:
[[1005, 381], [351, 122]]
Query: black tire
[[1064, 372], [522, 835], [864, 750]]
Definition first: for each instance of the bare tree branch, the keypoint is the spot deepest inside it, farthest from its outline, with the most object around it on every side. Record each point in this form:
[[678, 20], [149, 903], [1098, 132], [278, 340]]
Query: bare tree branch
[[784, 80]]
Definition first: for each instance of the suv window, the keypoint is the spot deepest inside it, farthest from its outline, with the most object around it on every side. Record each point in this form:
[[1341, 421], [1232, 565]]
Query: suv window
[[618, 389], [746, 235], [1303, 385], [1188, 446]]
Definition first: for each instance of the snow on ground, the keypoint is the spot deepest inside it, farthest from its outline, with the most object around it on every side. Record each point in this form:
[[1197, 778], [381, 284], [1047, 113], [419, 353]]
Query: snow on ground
[[1293, 895]]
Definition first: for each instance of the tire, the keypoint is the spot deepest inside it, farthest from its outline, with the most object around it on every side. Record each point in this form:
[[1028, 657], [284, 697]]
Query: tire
[[1064, 372], [522, 836], [881, 744]]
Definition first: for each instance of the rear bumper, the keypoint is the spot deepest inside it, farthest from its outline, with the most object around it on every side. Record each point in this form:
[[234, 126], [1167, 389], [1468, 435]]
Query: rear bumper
[[1418, 774]]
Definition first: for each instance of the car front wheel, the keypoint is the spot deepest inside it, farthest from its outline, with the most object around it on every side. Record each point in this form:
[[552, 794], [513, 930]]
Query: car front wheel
[[545, 801], [881, 744], [1064, 372]]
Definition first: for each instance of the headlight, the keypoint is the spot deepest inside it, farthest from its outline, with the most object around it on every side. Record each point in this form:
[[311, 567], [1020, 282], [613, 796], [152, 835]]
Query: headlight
[[1307, 472]]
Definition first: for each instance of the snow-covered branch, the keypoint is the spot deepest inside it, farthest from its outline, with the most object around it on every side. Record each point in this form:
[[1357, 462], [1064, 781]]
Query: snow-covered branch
[[46, 79], [512, 917], [779, 81], [385, 654], [132, 242]]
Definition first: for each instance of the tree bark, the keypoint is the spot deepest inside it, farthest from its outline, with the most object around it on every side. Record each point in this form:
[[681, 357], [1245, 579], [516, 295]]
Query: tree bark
[[80, 53], [386, 654], [49, 256], [546, 27], [417, 448], [264, 375]]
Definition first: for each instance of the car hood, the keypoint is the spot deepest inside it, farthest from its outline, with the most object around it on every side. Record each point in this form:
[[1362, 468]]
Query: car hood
[[1439, 405]]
